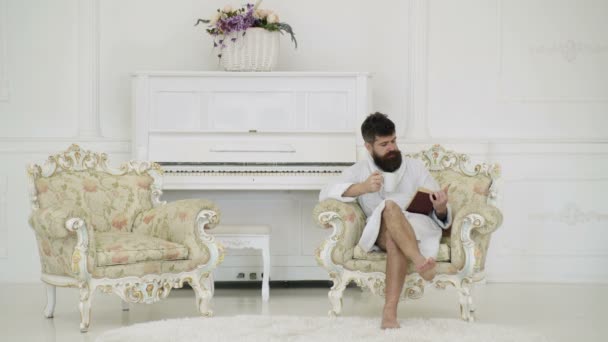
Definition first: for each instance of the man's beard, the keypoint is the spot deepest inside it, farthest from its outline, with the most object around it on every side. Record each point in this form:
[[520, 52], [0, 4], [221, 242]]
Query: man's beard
[[390, 162]]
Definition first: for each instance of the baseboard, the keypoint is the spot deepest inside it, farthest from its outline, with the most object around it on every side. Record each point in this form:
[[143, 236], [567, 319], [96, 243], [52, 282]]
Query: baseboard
[[275, 284]]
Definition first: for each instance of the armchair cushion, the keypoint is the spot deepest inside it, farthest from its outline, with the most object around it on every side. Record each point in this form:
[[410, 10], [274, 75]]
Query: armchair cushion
[[176, 222], [442, 256], [130, 248], [380, 266]]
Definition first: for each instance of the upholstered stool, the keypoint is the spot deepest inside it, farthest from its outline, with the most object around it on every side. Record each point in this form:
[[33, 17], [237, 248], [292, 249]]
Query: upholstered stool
[[247, 236]]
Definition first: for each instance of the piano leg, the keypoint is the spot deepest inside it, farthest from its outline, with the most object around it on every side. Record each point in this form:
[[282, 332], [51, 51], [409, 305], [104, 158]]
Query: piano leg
[[266, 277]]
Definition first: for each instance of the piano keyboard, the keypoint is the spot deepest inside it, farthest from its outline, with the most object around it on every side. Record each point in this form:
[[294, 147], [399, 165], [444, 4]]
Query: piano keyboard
[[227, 176]]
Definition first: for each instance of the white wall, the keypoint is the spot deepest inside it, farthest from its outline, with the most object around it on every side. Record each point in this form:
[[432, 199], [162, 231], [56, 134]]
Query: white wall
[[523, 83]]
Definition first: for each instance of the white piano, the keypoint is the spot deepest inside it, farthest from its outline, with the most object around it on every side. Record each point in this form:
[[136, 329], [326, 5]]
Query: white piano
[[241, 131]]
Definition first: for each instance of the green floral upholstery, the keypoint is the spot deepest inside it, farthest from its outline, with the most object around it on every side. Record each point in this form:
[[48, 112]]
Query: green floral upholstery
[[175, 222], [110, 203], [130, 248], [481, 236], [354, 221], [49, 222], [463, 189], [56, 254]]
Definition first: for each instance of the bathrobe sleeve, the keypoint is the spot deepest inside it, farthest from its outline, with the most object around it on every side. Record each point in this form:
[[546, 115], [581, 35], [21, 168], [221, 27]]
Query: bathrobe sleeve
[[336, 189]]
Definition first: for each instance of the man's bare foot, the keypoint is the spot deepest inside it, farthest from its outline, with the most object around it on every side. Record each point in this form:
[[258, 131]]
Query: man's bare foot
[[389, 319], [425, 265], [427, 269], [428, 275], [390, 324]]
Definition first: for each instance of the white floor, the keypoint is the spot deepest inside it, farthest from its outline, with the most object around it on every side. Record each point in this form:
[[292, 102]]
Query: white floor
[[562, 312]]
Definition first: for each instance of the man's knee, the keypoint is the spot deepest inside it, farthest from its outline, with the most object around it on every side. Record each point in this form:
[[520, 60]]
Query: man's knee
[[391, 208]]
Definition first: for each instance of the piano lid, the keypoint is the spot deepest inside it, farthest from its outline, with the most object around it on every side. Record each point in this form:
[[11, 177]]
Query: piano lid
[[252, 148]]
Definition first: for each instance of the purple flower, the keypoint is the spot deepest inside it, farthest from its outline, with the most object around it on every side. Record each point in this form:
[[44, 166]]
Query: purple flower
[[239, 22]]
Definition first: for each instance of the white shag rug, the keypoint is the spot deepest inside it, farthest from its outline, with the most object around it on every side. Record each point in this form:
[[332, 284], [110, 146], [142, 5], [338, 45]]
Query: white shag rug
[[317, 329]]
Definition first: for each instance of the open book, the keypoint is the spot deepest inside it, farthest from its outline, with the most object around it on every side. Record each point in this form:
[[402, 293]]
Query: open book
[[421, 203]]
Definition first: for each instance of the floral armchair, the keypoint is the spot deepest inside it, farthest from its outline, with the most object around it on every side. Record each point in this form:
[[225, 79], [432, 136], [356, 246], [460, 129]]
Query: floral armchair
[[105, 228], [463, 249]]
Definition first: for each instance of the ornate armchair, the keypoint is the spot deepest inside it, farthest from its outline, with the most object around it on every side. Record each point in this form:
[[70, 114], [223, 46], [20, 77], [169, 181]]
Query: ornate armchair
[[463, 248], [98, 227]]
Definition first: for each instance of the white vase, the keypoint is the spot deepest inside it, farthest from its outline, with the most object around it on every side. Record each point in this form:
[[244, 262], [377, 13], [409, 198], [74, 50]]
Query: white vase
[[257, 50]]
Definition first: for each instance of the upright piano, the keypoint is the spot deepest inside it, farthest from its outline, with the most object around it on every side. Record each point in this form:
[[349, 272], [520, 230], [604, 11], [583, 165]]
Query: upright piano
[[216, 131]]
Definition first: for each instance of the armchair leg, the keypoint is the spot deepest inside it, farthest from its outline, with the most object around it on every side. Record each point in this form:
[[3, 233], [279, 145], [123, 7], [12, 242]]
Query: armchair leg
[[85, 307], [212, 283], [51, 296], [202, 290], [335, 294], [467, 309], [266, 277]]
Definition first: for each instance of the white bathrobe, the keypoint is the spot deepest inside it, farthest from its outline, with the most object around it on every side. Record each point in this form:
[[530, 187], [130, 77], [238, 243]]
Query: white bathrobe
[[411, 175]]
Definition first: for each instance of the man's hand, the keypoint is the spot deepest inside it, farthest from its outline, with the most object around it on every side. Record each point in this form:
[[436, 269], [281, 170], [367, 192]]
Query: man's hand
[[373, 183], [440, 201]]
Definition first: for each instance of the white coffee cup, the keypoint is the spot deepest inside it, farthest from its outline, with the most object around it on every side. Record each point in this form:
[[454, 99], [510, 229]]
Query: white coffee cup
[[389, 183]]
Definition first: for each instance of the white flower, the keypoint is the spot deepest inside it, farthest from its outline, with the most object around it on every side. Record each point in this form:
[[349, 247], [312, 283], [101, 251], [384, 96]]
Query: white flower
[[215, 18], [273, 18], [262, 13], [227, 9]]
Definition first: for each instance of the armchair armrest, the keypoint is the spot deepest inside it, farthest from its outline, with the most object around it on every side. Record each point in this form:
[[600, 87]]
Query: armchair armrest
[[471, 231], [491, 217], [347, 221], [61, 222], [184, 222], [51, 222]]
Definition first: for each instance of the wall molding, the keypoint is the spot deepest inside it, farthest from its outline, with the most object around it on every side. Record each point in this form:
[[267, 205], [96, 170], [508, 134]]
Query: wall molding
[[88, 24], [512, 147], [417, 107], [567, 49], [55, 145], [3, 215], [571, 214], [474, 147], [507, 251], [89, 124], [4, 83]]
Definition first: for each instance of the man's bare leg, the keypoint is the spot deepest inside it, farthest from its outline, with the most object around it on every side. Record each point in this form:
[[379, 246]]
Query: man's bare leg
[[396, 270], [396, 263], [403, 235]]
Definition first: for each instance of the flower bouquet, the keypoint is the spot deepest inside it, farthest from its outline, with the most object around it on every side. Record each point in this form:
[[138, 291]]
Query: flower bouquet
[[247, 37]]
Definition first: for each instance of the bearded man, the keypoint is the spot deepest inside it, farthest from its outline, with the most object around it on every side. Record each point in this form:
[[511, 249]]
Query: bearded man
[[404, 236]]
